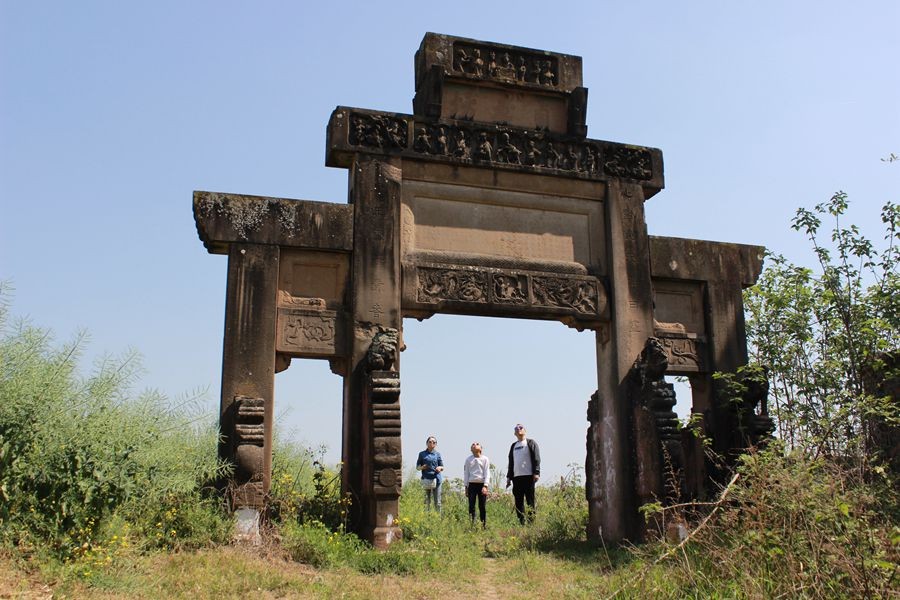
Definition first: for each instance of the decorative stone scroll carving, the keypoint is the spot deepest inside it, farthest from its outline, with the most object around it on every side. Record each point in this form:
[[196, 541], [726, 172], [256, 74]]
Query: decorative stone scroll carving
[[249, 436], [308, 331], [684, 354], [384, 397], [655, 393], [660, 453], [581, 296], [512, 66], [378, 131]]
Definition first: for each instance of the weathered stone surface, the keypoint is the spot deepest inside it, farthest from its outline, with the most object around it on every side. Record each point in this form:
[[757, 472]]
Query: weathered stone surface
[[224, 219]]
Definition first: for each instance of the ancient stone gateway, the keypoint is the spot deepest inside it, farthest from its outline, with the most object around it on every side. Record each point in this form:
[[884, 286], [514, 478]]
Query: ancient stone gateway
[[489, 199]]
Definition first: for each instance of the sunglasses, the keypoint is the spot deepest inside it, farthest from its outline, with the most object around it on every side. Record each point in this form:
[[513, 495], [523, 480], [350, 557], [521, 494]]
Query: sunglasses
[[519, 428]]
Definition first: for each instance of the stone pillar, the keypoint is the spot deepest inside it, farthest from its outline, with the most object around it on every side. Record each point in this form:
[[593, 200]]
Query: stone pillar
[[612, 515], [371, 445], [248, 371]]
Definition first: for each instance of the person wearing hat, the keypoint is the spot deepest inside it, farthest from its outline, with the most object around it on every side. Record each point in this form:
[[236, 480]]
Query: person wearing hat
[[523, 472]]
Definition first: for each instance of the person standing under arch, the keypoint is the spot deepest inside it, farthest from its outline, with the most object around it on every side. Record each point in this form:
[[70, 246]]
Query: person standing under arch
[[476, 475], [523, 472], [432, 465]]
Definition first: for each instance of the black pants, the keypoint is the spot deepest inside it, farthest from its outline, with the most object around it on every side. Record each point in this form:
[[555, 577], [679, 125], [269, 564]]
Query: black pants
[[523, 491], [474, 492]]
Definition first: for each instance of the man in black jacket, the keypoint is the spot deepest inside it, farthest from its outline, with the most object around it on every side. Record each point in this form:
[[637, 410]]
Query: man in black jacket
[[523, 472]]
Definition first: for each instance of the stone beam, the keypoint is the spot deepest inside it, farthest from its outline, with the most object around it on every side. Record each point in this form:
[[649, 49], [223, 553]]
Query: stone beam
[[701, 260], [355, 131], [225, 219]]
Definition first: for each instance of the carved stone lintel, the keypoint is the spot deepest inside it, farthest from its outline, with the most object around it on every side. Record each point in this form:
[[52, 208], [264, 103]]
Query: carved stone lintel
[[485, 289], [502, 146]]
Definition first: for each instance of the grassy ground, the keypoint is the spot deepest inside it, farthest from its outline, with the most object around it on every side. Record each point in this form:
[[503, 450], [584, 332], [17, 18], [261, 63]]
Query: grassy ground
[[233, 572]]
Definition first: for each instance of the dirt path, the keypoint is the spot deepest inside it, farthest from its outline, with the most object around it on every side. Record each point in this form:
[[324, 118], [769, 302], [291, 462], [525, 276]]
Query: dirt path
[[488, 579]]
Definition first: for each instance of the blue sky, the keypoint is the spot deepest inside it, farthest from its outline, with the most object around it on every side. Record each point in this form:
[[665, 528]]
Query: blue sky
[[112, 113]]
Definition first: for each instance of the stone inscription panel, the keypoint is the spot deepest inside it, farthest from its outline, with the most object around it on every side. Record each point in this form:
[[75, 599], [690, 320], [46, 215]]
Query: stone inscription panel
[[678, 306], [440, 218], [494, 105], [310, 278]]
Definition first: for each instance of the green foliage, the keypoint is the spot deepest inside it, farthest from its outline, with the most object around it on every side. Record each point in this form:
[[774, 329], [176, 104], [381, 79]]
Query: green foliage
[[74, 451], [793, 527], [818, 331], [304, 489]]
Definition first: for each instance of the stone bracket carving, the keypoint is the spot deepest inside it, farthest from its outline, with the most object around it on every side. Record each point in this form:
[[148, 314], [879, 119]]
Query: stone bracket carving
[[353, 130], [384, 406], [310, 332], [685, 354], [660, 454], [488, 291], [383, 352]]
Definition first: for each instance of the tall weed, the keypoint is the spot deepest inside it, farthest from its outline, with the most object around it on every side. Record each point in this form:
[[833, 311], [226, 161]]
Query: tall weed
[[74, 451]]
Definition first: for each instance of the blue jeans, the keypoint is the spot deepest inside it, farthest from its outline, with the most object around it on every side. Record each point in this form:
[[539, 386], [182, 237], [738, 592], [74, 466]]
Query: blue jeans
[[433, 495]]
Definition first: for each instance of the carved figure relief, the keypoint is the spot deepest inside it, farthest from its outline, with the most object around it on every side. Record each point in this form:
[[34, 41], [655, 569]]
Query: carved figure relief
[[523, 67], [628, 162], [377, 131], [435, 285], [579, 295], [507, 152], [509, 289]]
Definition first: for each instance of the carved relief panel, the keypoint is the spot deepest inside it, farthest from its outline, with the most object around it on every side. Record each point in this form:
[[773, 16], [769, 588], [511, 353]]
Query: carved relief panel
[[311, 291]]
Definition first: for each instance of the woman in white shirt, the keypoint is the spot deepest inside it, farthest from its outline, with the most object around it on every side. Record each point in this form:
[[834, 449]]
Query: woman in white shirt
[[476, 474]]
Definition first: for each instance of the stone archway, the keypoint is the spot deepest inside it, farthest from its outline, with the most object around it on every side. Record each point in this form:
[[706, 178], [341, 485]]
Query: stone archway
[[488, 200]]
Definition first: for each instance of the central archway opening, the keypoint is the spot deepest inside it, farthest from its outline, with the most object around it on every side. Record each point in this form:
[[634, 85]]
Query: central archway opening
[[467, 379]]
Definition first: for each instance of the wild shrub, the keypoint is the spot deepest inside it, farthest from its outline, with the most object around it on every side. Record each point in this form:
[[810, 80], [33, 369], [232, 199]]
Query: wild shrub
[[818, 330], [76, 450], [799, 528], [305, 489]]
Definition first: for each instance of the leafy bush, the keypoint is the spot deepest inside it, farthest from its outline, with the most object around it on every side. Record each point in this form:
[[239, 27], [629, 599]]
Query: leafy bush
[[818, 332]]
